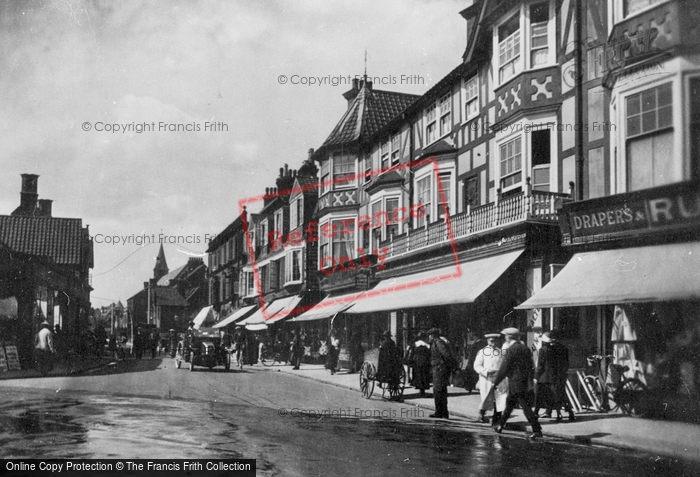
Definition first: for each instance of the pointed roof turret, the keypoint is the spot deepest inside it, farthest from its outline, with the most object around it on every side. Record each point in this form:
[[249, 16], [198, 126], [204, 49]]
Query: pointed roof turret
[[161, 267], [368, 110]]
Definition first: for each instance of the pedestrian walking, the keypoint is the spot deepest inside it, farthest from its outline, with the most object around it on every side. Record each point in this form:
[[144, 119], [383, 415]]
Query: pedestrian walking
[[544, 377], [560, 359], [296, 348], [239, 348], [333, 352], [420, 362], [138, 343], [44, 349], [517, 366], [173, 343], [389, 362], [356, 352], [442, 363], [486, 364]]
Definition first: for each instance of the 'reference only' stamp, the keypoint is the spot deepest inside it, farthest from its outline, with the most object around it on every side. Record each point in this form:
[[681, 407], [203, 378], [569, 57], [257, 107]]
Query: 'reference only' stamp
[[314, 232]]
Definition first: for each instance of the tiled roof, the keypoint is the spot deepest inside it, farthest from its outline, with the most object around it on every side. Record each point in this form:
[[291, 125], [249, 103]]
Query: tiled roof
[[368, 112], [165, 279], [439, 147], [169, 297], [58, 239]]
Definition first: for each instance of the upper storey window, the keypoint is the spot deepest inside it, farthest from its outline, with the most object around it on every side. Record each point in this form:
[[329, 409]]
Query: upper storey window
[[343, 170], [431, 124], [632, 7], [539, 44], [649, 121], [395, 145], [525, 40], [445, 114], [471, 97], [509, 48]]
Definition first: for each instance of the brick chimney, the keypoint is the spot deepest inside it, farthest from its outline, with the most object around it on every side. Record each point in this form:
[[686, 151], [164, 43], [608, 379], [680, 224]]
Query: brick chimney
[[28, 195], [44, 208]]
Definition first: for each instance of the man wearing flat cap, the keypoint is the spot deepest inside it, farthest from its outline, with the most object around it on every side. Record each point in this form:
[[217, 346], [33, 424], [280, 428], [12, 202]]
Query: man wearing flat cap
[[441, 365], [517, 366], [486, 364]]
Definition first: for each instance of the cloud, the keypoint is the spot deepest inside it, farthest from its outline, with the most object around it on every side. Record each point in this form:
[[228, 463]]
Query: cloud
[[68, 62]]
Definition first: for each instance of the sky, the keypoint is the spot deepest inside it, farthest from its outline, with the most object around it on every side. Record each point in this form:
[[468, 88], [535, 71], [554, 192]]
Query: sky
[[71, 69]]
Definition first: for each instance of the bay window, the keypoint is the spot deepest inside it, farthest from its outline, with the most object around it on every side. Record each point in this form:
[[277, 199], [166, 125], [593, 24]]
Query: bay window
[[423, 196], [539, 45], [325, 176], [343, 170], [444, 190], [649, 121], [509, 48], [511, 162], [336, 240]]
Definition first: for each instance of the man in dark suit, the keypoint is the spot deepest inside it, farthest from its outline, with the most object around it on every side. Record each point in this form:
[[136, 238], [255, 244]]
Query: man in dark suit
[[517, 366], [440, 367]]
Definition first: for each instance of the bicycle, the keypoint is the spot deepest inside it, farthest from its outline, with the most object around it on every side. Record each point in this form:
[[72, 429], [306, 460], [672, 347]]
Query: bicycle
[[613, 387], [272, 355]]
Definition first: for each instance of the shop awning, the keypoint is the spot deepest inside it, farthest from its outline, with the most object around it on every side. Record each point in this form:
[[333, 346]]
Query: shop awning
[[256, 317], [443, 286], [272, 313], [631, 275], [237, 315], [205, 314], [327, 308], [282, 308]]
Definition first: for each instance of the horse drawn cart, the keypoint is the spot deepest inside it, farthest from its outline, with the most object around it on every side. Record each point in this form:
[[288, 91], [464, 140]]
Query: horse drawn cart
[[386, 370]]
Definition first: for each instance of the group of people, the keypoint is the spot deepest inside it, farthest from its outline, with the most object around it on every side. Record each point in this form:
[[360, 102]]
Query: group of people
[[508, 376]]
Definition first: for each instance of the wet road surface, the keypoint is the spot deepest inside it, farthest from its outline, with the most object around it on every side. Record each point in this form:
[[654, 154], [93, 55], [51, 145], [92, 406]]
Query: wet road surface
[[282, 421]]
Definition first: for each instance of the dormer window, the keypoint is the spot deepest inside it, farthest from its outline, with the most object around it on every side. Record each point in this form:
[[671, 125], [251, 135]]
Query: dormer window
[[509, 48]]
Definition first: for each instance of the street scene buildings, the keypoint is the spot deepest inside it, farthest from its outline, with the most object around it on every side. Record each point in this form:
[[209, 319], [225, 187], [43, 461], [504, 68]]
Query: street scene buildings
[[549, 183]]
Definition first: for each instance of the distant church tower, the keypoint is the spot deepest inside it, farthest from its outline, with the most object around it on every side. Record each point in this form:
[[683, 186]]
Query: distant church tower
[[161, 268]]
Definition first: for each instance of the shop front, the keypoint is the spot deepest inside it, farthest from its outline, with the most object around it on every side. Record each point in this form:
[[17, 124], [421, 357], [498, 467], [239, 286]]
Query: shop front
[[635, 280]]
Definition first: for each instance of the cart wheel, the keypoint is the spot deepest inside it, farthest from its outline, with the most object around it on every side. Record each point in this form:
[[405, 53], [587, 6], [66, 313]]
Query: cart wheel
[[367, 372], [227, 362], [191, 361]]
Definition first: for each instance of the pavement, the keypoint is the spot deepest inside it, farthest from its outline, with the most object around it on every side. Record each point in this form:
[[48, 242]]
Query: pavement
[[663, 438]]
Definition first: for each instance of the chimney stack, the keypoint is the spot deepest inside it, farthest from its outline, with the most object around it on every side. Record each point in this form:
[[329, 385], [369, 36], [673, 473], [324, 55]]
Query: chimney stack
[[29, 195], [45, 207]]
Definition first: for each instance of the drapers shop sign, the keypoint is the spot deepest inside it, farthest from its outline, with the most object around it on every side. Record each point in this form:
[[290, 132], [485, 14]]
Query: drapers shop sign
[[653, 210]]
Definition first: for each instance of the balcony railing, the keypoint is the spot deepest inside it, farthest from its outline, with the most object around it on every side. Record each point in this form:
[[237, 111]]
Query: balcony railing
[[537, 205]]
